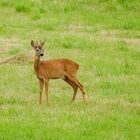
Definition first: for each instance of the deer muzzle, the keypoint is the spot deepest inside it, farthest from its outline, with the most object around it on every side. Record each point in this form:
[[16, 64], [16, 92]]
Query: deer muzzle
[[41, 54]]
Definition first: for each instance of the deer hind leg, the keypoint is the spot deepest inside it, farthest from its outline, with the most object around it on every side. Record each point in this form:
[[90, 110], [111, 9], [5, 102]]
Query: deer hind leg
[[75, 88], [83, 93], [79, 85], [41, 84]]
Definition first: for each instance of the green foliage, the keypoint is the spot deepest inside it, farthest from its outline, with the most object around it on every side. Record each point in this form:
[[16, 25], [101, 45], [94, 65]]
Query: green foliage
[[22, 8]]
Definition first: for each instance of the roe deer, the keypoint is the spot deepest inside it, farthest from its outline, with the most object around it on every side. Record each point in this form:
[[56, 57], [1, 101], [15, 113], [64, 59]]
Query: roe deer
[[45, 70]]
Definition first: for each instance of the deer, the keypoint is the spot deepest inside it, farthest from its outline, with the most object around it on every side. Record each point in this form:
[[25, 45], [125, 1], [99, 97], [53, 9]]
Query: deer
[[62, 68]]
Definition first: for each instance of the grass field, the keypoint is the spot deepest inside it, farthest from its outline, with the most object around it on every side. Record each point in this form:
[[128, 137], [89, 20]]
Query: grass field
[[103, 36]]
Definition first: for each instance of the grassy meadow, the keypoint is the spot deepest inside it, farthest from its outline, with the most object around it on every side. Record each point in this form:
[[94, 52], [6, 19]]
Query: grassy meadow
[[103, 36]]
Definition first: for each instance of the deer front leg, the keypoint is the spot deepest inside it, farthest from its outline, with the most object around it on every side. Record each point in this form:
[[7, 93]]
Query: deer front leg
[[41, 84], [46, 90]]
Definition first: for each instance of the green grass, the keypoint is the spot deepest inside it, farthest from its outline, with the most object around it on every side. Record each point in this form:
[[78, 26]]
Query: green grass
[[103, 36]]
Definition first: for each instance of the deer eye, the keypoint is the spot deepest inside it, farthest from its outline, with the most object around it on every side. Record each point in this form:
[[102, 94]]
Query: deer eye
[[37, 50]]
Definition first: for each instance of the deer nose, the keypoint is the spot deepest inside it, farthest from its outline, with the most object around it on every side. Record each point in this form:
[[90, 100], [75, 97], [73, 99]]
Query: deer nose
[[41, 54]]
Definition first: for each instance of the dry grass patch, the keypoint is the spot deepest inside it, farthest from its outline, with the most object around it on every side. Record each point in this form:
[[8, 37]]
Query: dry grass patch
[[8, 43], [119, 35]]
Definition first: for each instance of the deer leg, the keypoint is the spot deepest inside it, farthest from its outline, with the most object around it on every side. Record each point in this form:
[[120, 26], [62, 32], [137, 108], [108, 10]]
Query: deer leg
[[83, 93], [46, 90], [41, 84], [84, 97], [74, 94], [80, 84], [76, 82], [75, 88]]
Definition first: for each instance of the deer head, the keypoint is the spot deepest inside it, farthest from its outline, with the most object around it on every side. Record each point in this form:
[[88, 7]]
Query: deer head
[[38, 47]]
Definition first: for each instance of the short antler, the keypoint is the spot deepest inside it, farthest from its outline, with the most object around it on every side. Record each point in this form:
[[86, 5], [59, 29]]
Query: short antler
[[36, 43], [42, 43]]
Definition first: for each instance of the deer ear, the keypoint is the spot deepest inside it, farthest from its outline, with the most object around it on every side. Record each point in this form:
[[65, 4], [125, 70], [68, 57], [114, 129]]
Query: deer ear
[[43, 43], [32, 44]]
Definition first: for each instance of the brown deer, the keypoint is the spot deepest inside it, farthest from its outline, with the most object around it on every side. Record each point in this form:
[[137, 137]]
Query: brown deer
[[45, 70]]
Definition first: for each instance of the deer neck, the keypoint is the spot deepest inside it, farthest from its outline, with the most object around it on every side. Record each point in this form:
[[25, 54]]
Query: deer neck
[[36, 63]]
